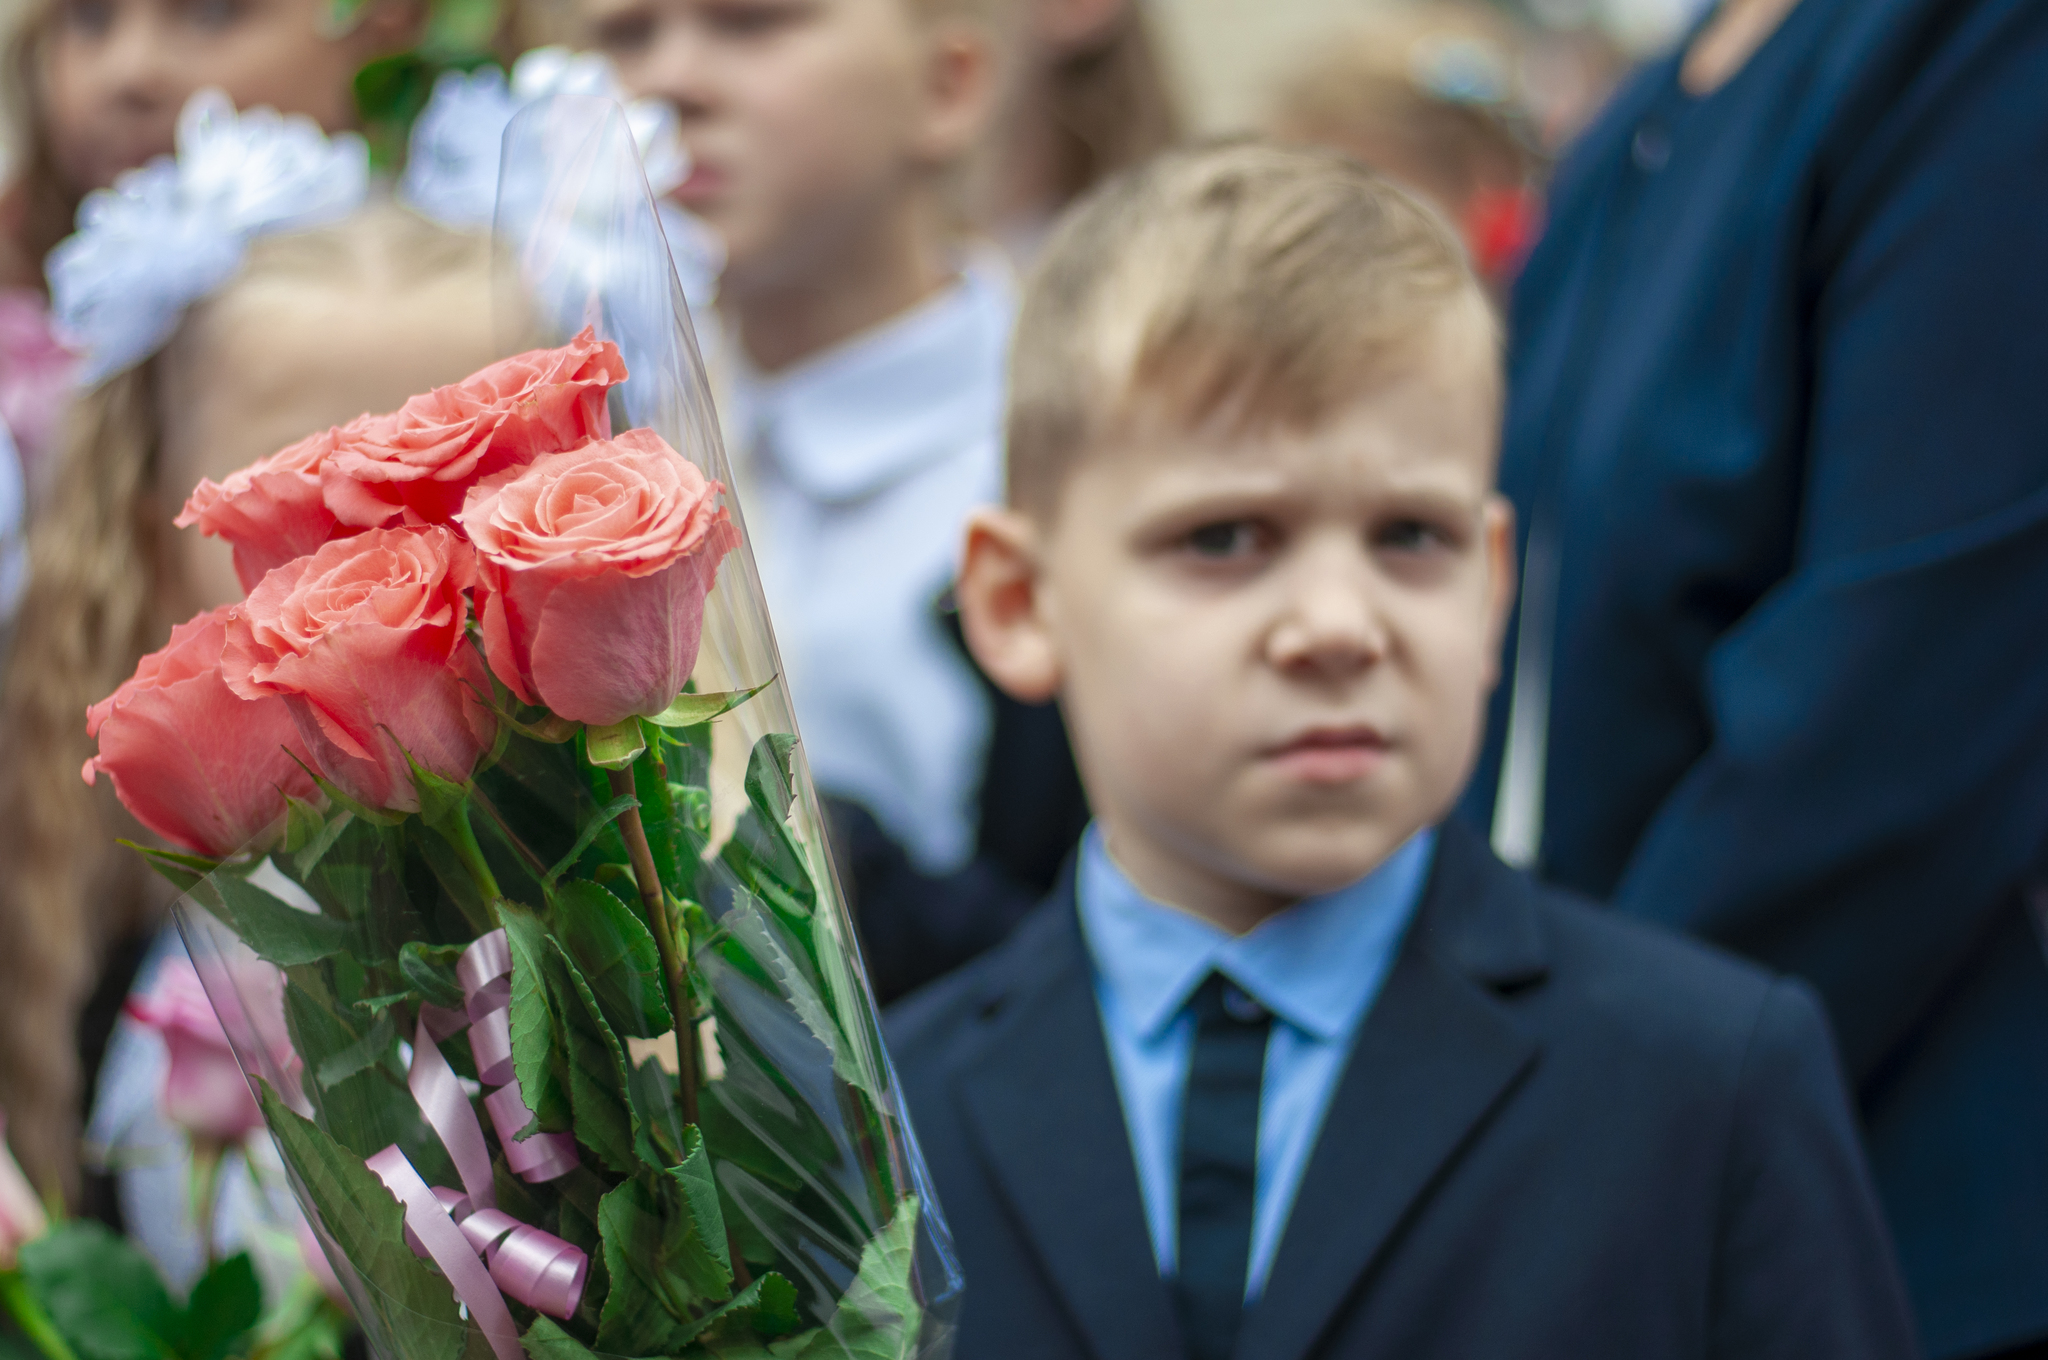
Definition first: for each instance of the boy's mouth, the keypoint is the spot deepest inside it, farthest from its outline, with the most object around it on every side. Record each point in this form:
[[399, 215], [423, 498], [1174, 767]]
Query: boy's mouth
[[1330, 755]]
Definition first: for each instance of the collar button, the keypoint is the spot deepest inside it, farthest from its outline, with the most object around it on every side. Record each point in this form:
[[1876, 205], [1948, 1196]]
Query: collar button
[[1240, 1006]]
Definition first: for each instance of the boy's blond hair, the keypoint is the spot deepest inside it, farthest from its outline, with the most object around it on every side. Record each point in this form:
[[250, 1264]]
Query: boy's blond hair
[[1245, 282]]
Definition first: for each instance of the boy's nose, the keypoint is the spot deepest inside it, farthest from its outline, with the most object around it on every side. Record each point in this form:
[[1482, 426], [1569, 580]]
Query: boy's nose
[[135, 73], [1329, 624], [678, 70]]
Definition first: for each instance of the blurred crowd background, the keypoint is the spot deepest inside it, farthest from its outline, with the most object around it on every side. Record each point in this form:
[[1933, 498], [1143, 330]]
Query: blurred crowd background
[[1797, 385]]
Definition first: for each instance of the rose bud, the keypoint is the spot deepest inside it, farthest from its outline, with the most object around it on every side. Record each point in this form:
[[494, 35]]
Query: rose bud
[[22, 1217], [196, 763], [364, 642], [593, 568], [271, 512], [204, 1091], [420, 461]]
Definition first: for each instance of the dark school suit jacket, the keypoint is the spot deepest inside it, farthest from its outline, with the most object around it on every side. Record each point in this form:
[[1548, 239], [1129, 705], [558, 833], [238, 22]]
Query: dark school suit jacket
[[1779, 390], [1560, 1135]]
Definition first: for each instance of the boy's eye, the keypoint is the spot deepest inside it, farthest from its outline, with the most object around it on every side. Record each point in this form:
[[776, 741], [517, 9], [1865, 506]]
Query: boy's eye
[[745, 20], [89, 16], [213, 14], [1411, 535], [1226, 539], [618, 34]]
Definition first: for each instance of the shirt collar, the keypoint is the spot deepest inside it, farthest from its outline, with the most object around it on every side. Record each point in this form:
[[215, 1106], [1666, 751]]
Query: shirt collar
[[1303, 964], [870, 411]]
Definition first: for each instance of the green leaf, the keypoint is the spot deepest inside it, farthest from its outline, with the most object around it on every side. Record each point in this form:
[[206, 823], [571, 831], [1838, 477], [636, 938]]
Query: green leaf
[[658, 1248], [766, 1308], [536, 1057], [617, 956], [878, 1317], [279, 932], [344, 1063], [370, 1109], [592, 829], [431, 971], [614, 747], [545, 1340], [225, 1304], [103, 1295], [182, 871], [459, 28], [368, 1225], [441, 800], [599, 1080], [691, 709], [307, 856]]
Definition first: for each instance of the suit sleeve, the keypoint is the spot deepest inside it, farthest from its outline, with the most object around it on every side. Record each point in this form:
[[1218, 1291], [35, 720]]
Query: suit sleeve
[[1803, 1263], [1877, 783]]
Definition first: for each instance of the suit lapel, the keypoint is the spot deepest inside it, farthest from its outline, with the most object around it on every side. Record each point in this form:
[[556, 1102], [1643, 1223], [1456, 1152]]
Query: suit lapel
[[1435, 1057], [1042, 1102]]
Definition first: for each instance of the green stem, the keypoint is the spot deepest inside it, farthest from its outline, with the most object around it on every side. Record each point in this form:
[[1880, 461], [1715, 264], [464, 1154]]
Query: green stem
[[207, 1157], [28, 1314], [654, 905], [462, 836]]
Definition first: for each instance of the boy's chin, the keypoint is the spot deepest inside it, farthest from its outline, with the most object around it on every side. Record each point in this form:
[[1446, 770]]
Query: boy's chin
[[1299, 859]]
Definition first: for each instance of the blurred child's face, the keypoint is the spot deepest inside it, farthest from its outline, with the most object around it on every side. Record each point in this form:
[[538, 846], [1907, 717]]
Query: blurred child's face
[[806, 120], [248, 379], [1272, 650], [118, 71]]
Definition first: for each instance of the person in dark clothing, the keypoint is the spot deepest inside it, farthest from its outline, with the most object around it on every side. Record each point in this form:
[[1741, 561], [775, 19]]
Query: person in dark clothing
[[1777, 435], [1290, 1066]]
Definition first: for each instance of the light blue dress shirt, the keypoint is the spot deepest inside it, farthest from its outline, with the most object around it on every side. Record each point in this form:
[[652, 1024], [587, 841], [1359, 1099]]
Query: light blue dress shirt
[[1317, 966], [857, 469]]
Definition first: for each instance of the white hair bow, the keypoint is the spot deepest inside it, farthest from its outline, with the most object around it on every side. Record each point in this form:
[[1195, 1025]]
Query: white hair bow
[[174, 230]]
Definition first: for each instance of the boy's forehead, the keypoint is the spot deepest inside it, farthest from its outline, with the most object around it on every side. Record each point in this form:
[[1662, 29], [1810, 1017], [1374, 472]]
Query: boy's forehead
[[1431, 417]]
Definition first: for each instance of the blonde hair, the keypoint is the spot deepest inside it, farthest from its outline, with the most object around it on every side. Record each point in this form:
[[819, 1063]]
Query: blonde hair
[[103, 591], [1265, 284]]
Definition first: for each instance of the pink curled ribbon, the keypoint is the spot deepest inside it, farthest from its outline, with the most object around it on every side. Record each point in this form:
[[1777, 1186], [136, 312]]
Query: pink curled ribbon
[[454, 1229]]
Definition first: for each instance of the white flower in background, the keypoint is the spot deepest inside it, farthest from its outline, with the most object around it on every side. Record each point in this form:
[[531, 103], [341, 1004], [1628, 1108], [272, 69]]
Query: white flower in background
[[174, 230]]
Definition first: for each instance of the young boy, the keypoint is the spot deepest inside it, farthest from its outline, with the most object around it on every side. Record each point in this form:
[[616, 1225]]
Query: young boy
[[1290, 1066], [865, 402]]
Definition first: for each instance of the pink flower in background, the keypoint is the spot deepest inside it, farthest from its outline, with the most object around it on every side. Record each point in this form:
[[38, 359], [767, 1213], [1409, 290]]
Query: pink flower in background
[[365, 642], [204, 1090], [271, 512], [317, 1264], [420, 461], [196, 763], [35, 374], [22, 1219], [594, 565]]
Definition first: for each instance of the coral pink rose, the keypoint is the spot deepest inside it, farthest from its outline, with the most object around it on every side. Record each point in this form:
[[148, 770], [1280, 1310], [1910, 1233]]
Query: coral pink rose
[[364, 641], [424, 457], [271, 512], [593, 569], [204, 1091], [195, 762], [22, 1218]]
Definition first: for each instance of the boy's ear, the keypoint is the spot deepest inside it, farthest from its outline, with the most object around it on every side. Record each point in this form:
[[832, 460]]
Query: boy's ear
[[1002, 606], [1500, 575], [959, 91]]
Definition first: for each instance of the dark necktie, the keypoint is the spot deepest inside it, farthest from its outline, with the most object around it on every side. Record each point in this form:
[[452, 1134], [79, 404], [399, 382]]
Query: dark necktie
[[1219, 1154]]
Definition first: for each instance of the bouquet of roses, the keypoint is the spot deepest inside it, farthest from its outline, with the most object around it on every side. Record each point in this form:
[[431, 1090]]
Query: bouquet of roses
[[492, 769]]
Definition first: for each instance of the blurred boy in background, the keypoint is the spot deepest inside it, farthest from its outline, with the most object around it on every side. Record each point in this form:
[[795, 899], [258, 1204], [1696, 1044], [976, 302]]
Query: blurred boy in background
[[864, 400], [1290, 1065]]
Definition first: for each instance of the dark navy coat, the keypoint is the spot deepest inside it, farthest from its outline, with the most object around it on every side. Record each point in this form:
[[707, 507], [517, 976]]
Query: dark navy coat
[[1779, 400], [1559, 1136]]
